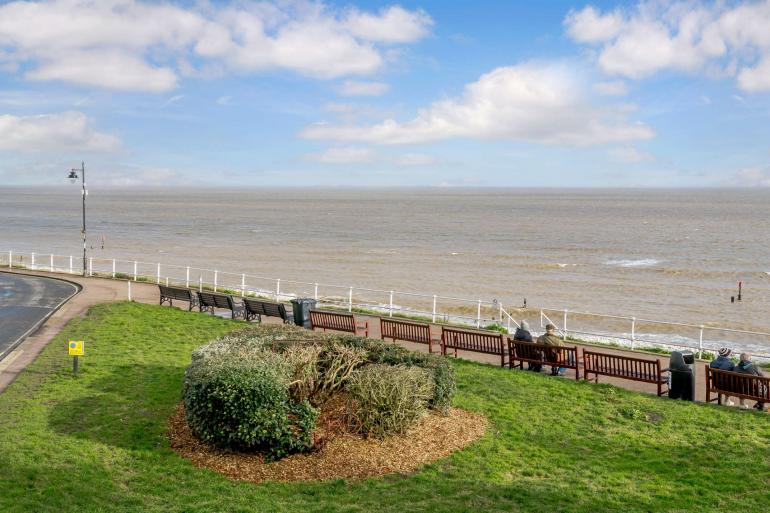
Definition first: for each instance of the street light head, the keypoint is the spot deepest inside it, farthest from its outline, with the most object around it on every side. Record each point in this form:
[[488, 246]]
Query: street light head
[[73, 176]]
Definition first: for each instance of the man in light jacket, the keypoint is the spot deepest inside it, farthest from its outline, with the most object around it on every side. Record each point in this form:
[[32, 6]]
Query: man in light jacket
[[746, 366]]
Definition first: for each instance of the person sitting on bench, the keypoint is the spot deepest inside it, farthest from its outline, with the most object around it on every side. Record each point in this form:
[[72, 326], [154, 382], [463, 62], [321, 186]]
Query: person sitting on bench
[[523, 335], [746, 366], [553, 341], [723, 362]]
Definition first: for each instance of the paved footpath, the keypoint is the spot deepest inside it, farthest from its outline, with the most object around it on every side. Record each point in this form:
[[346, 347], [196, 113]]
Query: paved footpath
[[101, 290]]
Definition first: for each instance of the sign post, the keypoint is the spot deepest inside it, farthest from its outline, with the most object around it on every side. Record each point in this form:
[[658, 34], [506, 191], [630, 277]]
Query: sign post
[[75, 348]]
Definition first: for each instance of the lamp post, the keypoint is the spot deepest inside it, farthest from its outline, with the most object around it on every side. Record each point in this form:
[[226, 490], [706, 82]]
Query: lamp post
[[73, 176]]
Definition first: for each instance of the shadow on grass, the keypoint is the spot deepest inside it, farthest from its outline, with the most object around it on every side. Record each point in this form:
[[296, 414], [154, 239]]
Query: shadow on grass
[[127, 408]]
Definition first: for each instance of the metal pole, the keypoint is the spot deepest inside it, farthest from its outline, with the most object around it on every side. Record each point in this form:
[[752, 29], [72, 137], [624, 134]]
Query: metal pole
[[157, 274], [129, 289], [32, 262], [90, 266], [633, 333], [564, 333], [71, 270], [216, 275], [243, 285], [200, 283], [51, 262], [277, 288], [187, 278], [350, 300], [134, 270], [478, 315], [315, 293], [390, 314], [113, 268], [434, 308], [700, 342], [10, 259], [166, 281]]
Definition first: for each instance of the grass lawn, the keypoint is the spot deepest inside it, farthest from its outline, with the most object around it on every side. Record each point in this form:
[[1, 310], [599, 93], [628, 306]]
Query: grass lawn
[[97, 443]]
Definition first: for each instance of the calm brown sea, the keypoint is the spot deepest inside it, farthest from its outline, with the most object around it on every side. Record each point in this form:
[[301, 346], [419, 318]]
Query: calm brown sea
[[664, 254]]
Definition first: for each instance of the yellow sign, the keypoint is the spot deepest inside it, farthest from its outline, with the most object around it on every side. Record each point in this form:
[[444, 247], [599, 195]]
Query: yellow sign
[[76, 348]]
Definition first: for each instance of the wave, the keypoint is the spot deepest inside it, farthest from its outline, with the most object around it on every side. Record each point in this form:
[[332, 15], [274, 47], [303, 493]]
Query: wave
[[642, 262]]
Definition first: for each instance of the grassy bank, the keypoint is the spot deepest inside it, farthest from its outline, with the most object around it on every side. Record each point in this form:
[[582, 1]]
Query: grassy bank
[[98, 443]]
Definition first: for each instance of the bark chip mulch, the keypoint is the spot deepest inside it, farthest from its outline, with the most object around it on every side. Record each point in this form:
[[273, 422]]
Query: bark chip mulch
[[341, 455]]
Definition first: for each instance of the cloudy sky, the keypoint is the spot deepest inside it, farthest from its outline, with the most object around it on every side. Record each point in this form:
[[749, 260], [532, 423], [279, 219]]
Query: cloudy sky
[[437, 92]]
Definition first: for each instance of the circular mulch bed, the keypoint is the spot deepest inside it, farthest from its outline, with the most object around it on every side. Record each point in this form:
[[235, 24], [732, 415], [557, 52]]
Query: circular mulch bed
[[339, 454]]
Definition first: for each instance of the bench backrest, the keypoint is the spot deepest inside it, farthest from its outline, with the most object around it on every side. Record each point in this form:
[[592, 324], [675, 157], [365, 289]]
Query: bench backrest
[[216, 300], [266, 308], [402, 330], [476, 341], [740, 385], [540, 353], [333, 321], [175, 292], [622, 366]]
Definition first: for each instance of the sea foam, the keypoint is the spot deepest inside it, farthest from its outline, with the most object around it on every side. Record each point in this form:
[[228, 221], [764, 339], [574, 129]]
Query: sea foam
[[643, 262]]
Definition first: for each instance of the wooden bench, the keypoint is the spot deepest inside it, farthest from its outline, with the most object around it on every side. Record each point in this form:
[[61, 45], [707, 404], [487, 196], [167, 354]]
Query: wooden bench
[[418, 332], [171, 293], [736, 384], [208, 301], [474, 341], [539, 354], [336, 321], [256, 308], [625, 367]]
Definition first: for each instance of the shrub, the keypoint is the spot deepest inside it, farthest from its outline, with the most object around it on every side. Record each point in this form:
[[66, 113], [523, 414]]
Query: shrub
[[385, 399], [236, 396], [305, 374]]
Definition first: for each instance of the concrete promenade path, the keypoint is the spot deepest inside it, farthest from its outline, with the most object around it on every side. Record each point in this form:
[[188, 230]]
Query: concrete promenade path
[[102, 290]]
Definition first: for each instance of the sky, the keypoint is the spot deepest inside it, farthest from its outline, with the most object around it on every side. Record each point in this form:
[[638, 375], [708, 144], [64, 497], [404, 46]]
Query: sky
[[432, 93]]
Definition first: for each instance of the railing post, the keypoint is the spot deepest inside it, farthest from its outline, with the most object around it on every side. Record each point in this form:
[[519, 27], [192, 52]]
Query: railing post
[[277, 288], [134, 270], [564, 333], [166, 281], [478, 315], [243, 285], [32, 262], [90, 266], [71, 271], [51, 262], [187, 277], [200, 283], [633, 333], [541, 319], [315, 293], [10, 259], [390, 314], [158, 274], [700, 343], [350, 300], [216, 276], [500, 312], [113, 268], [434, 307], [129, 289]]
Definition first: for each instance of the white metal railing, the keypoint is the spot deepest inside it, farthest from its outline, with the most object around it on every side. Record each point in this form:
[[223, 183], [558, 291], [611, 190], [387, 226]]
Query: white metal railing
[[436, 308]]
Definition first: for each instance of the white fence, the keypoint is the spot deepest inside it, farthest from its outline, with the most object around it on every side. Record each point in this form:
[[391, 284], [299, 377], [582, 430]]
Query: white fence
[[627, 331]]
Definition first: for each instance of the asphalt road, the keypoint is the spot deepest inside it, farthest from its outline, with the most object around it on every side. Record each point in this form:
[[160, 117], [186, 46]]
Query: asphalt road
[[25, 301]]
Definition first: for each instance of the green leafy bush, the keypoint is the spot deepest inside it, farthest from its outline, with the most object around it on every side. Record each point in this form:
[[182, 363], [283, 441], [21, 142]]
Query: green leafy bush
[[236, 395], [385, 399]]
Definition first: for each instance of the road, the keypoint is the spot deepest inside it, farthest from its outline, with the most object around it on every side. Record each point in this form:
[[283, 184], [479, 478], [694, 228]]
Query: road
[[25, 301]]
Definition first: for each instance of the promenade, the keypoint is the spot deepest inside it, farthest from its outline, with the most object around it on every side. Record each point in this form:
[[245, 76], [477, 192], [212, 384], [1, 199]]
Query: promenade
[[101, 290]]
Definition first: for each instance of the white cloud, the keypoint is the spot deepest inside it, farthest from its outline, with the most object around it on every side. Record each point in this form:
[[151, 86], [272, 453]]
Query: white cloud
[[344, 155], [225, 101], [53, 132], [392, 25], [613, 88], [750, 177], [133, 45], [415, 159], [533, 102], [358, 88], [628, 155], [716, 38]]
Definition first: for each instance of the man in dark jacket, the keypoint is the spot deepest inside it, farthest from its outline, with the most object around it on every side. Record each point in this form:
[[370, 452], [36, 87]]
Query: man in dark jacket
[[746, 366], [523, 335], [723, 362]]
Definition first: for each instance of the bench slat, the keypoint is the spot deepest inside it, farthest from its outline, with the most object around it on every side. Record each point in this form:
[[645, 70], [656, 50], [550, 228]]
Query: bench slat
[[418, 332], [624, 367], [745, 386], [336, 321], [532, 352], [474, 341]]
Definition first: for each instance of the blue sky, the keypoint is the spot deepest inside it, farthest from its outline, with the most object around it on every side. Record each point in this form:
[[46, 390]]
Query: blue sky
[[431, 93]]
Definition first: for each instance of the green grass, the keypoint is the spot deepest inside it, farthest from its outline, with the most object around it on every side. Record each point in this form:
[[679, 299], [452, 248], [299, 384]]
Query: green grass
[[97, 443]]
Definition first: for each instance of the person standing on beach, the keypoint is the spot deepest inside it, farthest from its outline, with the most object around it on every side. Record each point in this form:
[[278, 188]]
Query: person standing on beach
[[746, 366], [554, 342]]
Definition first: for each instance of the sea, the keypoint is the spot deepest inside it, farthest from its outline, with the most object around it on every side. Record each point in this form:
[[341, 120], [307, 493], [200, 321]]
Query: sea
[[652, 254]]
